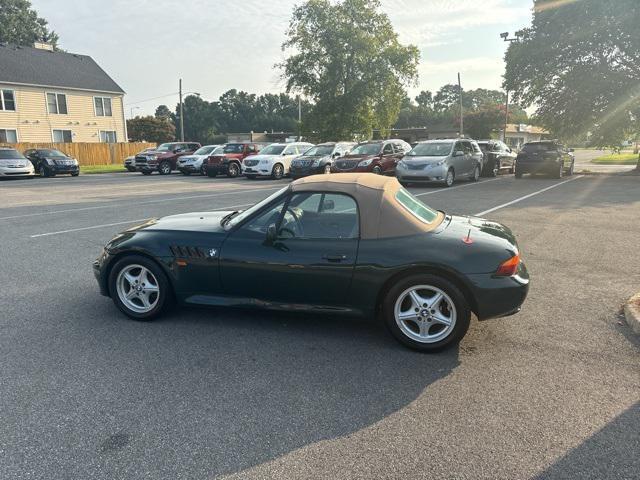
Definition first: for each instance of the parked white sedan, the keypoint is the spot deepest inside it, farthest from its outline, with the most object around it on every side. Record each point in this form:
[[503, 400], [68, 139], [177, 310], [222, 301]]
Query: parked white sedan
[[274, 160], [14, 164]]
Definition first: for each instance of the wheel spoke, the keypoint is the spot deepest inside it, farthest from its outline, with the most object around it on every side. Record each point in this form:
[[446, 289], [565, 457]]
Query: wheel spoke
[[131, 294], [130, 278], [439, 317], [409, 316], [416, 299], [424, 329], [144, 298], [434, 301], [151, 289]]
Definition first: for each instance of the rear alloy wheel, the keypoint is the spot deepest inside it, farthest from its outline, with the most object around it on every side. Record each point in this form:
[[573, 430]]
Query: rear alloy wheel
[[277, 172], [450, 178], [476, 174], [377, 170], [233, 170], [426, 312], [139, 287], [164, 168]]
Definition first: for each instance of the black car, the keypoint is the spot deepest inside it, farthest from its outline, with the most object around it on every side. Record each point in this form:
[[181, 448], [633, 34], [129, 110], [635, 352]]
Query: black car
[[49, 162], [546, 157], [497, 157], [319, 159], [356, 244]]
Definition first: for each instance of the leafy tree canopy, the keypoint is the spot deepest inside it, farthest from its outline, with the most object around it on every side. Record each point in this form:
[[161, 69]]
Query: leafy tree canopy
[[150, 129], [347, 59], [21, 25], [579, 63]]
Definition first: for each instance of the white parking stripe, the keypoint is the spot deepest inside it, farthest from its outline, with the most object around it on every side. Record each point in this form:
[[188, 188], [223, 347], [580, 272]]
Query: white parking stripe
[[93, 227], [448, 189], [517, 200], [148, 202]]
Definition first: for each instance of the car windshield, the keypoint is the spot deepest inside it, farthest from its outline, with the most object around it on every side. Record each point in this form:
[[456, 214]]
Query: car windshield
[[272, 150], [218, 150], [250, 211], [436, 149], [416, 207], [319, 150], [52, 153], [366, 149], [10, 154], [538, 147], [166, 147], [234, 148], [205, 150]]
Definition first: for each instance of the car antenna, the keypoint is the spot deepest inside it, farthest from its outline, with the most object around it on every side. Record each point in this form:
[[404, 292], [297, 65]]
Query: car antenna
[[468, 239]]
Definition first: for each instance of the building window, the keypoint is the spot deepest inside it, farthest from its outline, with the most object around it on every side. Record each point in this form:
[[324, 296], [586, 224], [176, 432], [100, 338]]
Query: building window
[[108, 136], [102, 106], [8, 136], [7, 100], [62, 136], [57, 103]]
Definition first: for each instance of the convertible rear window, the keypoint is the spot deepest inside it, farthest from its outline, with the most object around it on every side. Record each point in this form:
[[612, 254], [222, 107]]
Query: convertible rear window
[[416, 207]]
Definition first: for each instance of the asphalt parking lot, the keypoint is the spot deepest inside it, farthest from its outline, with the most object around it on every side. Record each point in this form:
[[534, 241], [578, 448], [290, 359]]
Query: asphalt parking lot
[[553, 392]]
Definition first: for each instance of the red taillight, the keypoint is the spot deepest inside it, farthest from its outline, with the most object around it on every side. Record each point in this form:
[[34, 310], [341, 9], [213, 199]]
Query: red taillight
[[509, 268]]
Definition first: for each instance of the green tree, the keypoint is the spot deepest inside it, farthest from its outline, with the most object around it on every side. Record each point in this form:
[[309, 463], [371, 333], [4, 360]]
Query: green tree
[[21, 25], [150, 129], [200, 119], [163, 113], [348, 61], [579, 63]]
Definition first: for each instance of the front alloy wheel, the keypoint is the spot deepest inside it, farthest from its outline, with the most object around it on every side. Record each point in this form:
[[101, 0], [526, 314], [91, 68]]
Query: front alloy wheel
[[138, 287], [278, 171], [233, 170], [426, 312], [377, 170], [450, 178], [165, 168]]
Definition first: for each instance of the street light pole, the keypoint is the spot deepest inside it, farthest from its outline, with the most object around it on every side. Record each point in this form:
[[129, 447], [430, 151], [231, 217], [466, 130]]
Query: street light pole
[[181, 112]]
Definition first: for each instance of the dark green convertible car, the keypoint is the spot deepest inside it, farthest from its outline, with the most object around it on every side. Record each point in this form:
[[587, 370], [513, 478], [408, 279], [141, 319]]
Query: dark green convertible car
[[355, 244]]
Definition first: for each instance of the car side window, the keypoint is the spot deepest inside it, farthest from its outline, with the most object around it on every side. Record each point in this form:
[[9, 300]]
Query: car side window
[[388, 149], [291, 150], [321, 216]]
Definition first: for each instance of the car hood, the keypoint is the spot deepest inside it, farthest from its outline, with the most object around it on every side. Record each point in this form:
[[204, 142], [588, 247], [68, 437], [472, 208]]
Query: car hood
[[192, 157], [419, 159], [263, 157], [313, 157], [23, 162], [186, 222], [157, 153]]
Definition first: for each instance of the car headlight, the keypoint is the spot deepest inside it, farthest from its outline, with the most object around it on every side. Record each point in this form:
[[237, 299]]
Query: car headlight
[[365, 163], [439, 163], [75, 162], [315, 163], [402, 164]]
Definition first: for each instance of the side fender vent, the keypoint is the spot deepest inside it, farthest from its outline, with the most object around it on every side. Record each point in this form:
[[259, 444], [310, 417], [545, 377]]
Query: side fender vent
[[186, 252]]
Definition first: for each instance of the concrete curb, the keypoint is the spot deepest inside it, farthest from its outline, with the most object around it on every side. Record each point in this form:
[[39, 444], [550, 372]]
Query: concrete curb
[[632, 313]]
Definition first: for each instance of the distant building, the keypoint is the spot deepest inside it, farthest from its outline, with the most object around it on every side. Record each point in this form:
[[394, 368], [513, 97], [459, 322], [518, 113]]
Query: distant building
[[48, 96], [518, 134]]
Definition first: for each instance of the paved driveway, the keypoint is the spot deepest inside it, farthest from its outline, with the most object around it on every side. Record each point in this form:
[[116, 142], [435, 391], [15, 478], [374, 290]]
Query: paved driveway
[[553, 392]]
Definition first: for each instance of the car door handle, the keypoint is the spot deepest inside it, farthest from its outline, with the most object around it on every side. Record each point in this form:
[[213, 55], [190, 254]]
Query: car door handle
[[334, 258]]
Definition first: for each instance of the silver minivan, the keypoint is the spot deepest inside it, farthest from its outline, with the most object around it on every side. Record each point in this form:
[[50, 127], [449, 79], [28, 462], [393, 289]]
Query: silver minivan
[[441, 161]]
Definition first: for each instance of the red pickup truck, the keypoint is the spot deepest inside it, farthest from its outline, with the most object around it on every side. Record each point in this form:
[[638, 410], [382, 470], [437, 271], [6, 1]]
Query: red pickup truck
[[230, 160], [163, 158]]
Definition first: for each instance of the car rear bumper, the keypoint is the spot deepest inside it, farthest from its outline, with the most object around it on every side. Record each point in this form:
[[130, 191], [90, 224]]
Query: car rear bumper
[[499, 296], [537, 167]]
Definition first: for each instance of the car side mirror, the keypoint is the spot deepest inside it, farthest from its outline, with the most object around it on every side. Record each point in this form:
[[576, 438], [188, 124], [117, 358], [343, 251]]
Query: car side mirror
[[272, 234], [458, 153]]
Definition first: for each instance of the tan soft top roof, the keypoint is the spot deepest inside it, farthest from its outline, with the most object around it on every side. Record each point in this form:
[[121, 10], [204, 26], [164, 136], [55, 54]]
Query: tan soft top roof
[[381, 216]]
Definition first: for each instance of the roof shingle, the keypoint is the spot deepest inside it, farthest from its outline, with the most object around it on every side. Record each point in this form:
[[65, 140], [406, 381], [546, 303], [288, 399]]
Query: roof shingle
[[32, 66]]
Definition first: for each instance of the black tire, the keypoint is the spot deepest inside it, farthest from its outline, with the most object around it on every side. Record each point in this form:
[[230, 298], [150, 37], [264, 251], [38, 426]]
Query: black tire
[[211, 173], [277, 172], [377, 170], [233, 170], [165, 293], [560, 172], [463, 312], [164, 168], [476, 174], [145, 172], [450, 179], [203, 170], [43, 172]]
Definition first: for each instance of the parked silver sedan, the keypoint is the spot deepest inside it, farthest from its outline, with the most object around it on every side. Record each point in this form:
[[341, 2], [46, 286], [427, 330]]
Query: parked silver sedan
[[441, 161], [14, 164]]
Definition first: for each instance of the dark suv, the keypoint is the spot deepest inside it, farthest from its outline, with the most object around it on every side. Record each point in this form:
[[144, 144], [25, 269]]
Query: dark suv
[[164, 158], [497, 157], [229, 162], [376, 156], [547, 157], [319, 159]]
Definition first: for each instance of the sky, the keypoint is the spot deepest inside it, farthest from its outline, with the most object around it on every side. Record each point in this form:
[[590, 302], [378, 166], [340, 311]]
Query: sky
[[216, 45]]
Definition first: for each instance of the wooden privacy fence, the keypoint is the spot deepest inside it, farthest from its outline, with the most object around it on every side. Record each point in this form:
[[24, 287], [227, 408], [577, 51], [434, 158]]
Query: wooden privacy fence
[[90, 153]]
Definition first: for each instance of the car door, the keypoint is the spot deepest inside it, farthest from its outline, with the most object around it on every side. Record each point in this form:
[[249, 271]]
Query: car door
[[387, 159], [301, 250]]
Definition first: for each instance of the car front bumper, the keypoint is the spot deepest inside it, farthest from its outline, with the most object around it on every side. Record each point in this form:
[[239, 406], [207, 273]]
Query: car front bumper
[[17, 171], [189, 167], [299, 172], [425, 174], [258, 170]]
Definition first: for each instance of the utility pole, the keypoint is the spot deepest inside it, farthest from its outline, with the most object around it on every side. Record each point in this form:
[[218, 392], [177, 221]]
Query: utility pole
[[461, 110], [506, 118], [181, 113]]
